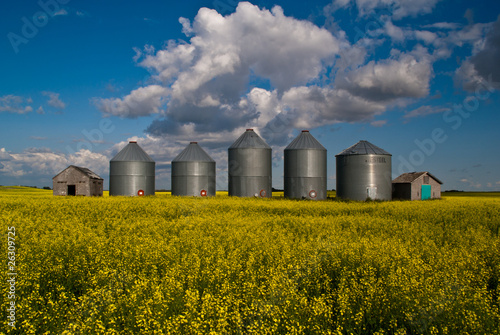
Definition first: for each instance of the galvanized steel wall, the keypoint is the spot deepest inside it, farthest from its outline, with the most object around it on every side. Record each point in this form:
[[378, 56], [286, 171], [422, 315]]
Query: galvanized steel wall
[[132, 172], [193, 178], [128, 178], [364, 176], [305, 168], [250, 168], [305, 174]]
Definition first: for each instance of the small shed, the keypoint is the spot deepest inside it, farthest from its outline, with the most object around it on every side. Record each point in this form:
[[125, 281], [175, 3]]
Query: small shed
[[416, 186], [75, 180]]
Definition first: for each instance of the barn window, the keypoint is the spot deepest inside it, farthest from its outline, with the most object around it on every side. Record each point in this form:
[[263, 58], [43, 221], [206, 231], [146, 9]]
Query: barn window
[[426, 179]]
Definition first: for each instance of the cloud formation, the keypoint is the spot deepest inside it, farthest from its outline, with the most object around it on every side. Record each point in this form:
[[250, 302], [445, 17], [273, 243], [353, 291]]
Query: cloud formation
[[54, 100], [398, 8], [206, 85], [248, 42], [35, 164], [248, 69], [424, 111], [400, 77], [143, 101], [15, 104], [481, 69], [486, 61]]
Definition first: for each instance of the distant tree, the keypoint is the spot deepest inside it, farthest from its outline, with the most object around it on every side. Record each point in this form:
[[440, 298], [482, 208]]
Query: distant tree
[[46, 188]]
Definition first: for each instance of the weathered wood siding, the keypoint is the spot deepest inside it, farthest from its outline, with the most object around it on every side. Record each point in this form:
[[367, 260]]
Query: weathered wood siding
[[412, 191], [84, 185]]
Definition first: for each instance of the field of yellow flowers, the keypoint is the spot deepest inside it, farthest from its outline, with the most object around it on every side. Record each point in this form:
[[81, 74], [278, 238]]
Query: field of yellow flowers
[[223, 265]]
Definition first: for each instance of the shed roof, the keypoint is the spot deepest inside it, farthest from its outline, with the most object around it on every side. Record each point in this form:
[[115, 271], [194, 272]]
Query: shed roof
[[193, 153], [363, 148], [410, 177], [132, 152], [83, 170], [249, 139], [305, 141]]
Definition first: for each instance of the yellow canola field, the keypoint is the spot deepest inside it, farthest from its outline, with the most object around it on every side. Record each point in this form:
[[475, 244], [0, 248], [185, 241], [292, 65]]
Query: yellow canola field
[[223, 265]]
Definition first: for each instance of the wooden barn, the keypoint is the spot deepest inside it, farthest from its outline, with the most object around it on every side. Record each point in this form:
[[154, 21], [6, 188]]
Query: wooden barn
[[75, 180], [416, 186]]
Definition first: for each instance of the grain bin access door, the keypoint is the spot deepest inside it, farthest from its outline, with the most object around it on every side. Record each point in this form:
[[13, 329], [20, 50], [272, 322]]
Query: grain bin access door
[[371, 192], [426, 192]]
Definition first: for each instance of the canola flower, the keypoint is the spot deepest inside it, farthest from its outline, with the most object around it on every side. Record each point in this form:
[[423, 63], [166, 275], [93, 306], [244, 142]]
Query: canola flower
[[224, 265]]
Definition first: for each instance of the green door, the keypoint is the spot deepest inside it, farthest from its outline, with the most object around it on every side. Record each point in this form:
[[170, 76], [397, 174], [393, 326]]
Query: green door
[[426, 192]]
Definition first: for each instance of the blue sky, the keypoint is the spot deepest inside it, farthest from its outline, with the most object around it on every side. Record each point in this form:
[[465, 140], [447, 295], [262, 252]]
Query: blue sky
[[418, 78]]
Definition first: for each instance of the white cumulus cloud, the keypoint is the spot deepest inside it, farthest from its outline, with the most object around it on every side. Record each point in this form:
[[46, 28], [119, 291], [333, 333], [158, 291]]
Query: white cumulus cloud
[[41, 164], [207, 83], [143, 101], [405, 76], [262, 69]]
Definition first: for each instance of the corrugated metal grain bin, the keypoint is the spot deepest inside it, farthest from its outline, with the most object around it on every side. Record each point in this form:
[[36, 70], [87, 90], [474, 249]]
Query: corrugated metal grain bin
[[132, 172], [364, 172], [193, 172], [305, 168], [249, 166]]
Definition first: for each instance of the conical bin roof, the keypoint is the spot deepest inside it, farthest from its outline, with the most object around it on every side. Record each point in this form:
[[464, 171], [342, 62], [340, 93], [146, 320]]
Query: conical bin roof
[[249, 139], [363, 148], [193, 153], [132, 153], [305, 141]]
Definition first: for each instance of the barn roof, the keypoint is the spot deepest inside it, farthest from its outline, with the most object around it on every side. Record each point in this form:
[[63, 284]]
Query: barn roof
[[363, 148], [83, 170], [410, 177]]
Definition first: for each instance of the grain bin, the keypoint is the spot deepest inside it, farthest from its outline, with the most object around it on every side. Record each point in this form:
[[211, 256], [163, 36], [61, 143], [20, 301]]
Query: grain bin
[[249, 166], [193, 172], [364, 171], [305, 168], [132, 172]]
